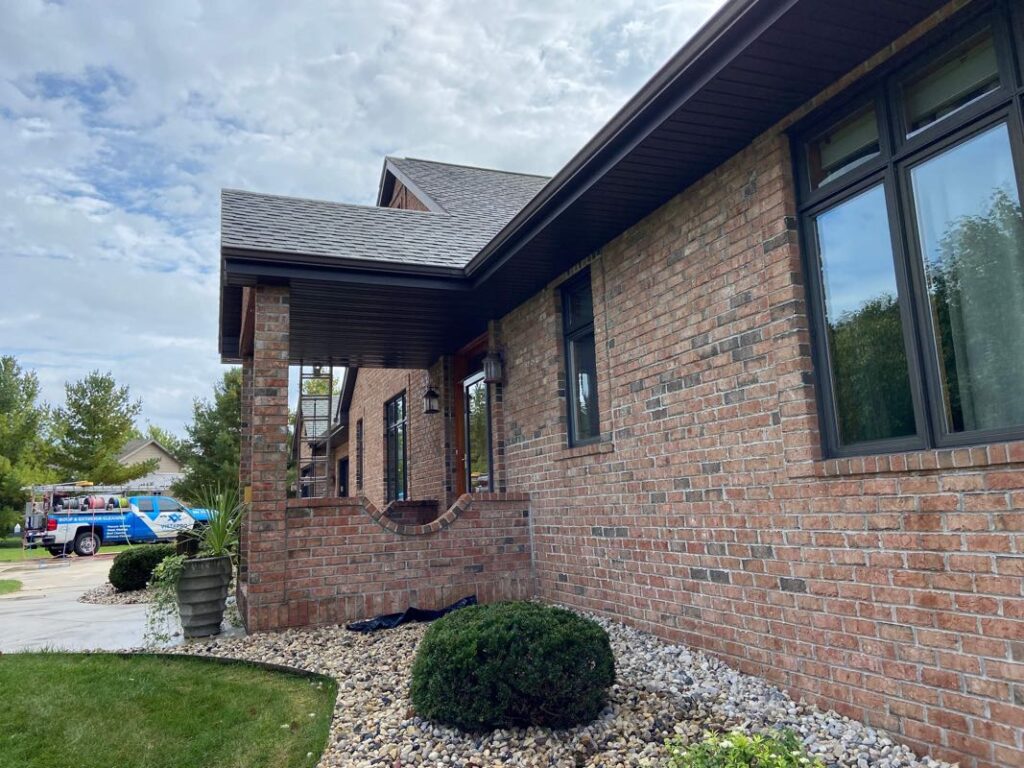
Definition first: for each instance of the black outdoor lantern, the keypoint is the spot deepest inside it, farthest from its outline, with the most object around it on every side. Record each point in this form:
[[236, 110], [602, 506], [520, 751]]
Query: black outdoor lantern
[[431, 400], [493, 372]]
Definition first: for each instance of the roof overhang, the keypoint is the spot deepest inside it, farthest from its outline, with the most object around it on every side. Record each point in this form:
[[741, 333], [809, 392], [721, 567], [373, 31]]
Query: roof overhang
[[751, 65]]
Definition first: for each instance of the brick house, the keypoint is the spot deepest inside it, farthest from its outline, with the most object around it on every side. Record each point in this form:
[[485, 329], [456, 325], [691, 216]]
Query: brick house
[[746, 373]]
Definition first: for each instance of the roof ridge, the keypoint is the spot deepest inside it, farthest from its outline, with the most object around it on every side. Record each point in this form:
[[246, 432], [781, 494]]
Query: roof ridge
[[468, 167]]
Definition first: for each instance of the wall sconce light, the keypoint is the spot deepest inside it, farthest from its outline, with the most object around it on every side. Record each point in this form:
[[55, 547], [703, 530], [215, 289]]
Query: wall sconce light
[[493, 369], [431, 400]]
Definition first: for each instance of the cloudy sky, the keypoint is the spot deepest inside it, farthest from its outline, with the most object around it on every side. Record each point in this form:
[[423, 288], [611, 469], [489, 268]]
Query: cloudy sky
[[121, 121]]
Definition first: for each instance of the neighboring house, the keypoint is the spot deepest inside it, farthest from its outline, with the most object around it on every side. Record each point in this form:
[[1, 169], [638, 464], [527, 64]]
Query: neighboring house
[[168, 469], [146, 449], [753, 360]]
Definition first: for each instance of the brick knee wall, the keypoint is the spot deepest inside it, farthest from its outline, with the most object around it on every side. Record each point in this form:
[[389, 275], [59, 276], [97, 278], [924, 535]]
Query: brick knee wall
[[413, 512], [336, 563]]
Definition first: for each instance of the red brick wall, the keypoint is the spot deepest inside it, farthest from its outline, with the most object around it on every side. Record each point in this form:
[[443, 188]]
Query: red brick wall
[[426, 434], [890, 590], [345, 561]]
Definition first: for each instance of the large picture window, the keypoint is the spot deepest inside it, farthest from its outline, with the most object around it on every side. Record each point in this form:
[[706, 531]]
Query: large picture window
[[912, 222], [580, 360], [396, 449]]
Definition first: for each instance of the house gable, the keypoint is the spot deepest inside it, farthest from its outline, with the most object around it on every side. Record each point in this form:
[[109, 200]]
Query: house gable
[[138, 451]]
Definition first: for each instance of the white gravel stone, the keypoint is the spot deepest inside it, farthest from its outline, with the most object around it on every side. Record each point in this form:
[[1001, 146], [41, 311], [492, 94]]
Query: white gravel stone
[[661, 691], [105, 594]]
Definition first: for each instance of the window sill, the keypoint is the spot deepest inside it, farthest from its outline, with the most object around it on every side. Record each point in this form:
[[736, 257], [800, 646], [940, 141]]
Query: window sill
[[584, 450], [994, 454]]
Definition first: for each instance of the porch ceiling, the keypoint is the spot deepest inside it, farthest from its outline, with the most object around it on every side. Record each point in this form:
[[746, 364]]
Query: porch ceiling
[[358, 318], [751, 65]]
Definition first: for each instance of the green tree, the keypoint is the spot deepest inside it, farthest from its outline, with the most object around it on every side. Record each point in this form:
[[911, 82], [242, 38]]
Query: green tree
[[212, 451], [977, 292], [23, 447], [871, 381], [92, 427]]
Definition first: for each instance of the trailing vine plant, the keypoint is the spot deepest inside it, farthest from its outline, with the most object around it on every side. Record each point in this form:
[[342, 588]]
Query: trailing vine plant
[[162, 619]]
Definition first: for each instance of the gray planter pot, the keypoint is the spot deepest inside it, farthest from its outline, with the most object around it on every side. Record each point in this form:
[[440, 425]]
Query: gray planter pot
[[202, 592]]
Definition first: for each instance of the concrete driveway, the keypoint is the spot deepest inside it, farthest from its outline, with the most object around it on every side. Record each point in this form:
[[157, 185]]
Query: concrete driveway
[[46, 612]]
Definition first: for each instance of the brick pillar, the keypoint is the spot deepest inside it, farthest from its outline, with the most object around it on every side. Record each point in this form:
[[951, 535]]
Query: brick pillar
[[267, 551], [245, 468], [245, 465], [446, 389], [496, 394]]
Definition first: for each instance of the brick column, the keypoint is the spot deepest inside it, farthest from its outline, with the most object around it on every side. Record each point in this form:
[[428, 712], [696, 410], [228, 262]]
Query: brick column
[[497, 397], [267, 558], [245, 464], [446, 389]]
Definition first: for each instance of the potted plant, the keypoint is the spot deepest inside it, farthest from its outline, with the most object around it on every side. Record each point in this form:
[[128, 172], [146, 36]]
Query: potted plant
[[195, 585]]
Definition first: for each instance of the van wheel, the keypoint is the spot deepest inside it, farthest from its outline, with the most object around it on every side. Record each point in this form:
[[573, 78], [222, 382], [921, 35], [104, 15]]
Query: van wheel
[[87, 544]]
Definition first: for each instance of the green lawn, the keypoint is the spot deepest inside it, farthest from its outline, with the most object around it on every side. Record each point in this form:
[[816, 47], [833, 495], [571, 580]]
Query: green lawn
[[12, 552], [9, 585], [102, 710]]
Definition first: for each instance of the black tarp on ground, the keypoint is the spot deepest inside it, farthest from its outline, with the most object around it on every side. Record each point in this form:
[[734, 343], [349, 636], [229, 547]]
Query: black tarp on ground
[[392, 620]]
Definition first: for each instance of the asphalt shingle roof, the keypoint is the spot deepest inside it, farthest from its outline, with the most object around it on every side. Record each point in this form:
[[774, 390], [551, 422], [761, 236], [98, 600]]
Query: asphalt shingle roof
[[476, 204], [488, 197]]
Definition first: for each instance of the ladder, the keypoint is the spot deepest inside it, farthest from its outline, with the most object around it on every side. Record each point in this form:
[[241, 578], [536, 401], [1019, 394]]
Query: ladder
[[316, 388]]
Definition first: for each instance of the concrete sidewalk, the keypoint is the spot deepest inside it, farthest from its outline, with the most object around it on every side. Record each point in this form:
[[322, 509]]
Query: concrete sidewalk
[[46, 612]]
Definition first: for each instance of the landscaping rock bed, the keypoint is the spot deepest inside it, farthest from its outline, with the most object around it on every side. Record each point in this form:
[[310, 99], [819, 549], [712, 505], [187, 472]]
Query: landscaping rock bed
[[105, 594], [662, 690]]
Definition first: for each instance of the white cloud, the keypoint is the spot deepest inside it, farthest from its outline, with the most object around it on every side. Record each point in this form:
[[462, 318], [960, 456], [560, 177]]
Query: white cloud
[[120, 123]]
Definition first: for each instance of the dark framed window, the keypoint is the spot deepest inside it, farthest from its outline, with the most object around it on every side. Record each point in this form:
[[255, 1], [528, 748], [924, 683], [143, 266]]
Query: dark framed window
[[914, 235], [396, 449], [580, 360], [359, 454]]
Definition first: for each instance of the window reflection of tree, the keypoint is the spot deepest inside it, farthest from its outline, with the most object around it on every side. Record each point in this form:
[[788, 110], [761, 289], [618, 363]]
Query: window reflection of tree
[[976, 287], [977, 295], [872, 397]]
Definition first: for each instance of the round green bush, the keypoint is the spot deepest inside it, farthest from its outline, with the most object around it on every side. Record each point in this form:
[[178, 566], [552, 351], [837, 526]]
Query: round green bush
[[133, 567], [512, 664]]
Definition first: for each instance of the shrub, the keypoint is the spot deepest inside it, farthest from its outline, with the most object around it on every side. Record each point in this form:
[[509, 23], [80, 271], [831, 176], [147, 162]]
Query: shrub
[[8, 519], [778, 749], [512, 664], [133, 568]]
